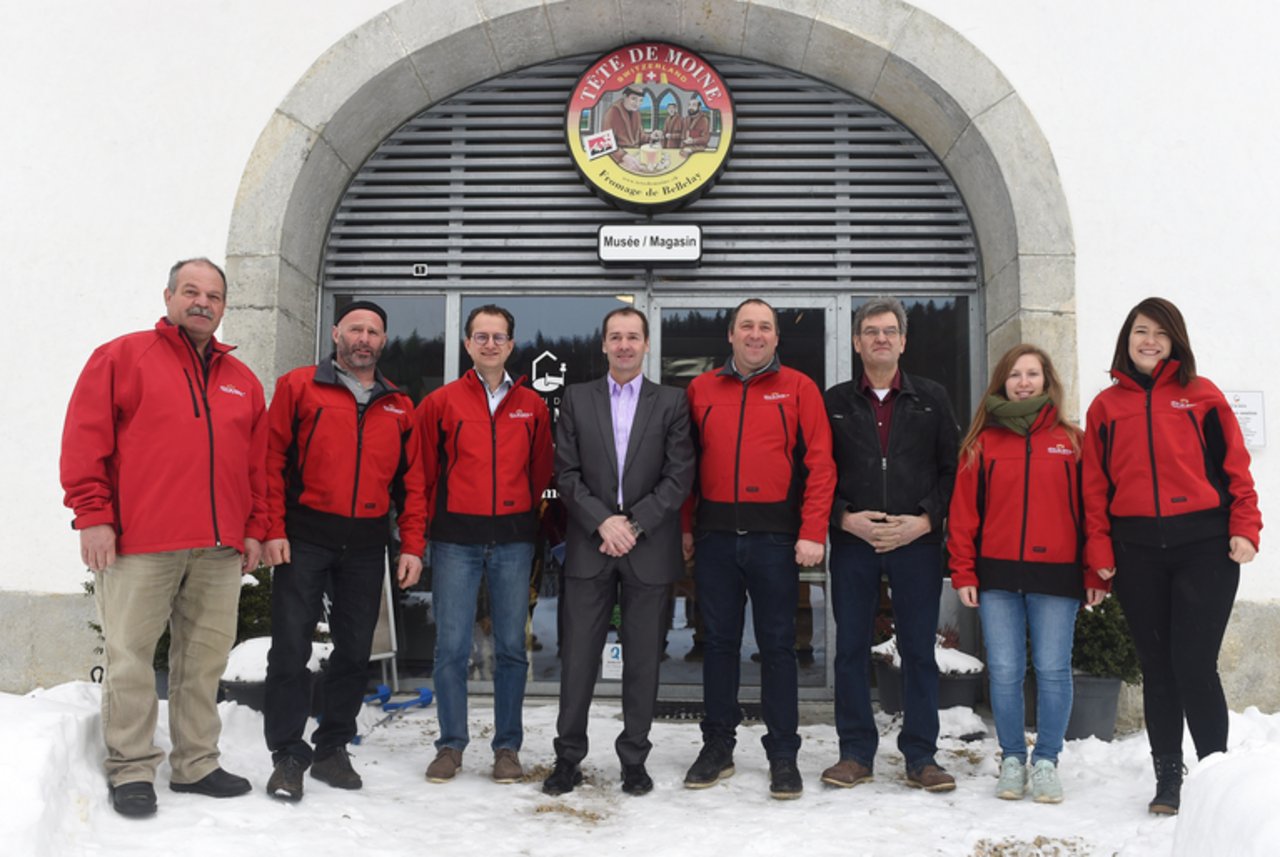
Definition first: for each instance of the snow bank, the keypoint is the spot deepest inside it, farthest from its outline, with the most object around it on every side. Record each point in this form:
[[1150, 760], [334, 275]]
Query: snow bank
[[1229, 801], [50, 770], [248, 660]]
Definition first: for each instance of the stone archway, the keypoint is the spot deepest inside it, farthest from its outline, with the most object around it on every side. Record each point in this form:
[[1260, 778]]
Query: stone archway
[[887, 52]]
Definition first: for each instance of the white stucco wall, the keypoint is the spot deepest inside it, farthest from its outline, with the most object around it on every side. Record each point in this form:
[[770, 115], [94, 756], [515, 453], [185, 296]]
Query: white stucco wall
[[126, 127], [128, 124]]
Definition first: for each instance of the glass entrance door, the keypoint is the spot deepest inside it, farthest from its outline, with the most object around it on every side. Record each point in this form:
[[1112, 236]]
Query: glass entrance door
[[690, 336]]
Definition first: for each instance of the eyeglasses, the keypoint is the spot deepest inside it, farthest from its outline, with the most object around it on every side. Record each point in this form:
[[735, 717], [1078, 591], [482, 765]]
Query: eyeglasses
[[482, 338], [877, 332]]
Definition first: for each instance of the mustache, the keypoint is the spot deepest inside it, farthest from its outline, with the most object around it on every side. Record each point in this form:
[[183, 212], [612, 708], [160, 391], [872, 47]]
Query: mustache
[[200, 311]]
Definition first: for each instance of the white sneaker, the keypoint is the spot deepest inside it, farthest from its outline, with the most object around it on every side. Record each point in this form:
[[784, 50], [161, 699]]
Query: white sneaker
[[1013, 779], [1045, 785]]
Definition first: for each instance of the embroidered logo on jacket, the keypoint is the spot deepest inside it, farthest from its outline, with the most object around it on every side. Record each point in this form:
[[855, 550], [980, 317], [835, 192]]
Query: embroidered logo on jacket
[[233, 390], [1059, 449], [1181, 404], [774, 397], [520, 414], [392, 409]]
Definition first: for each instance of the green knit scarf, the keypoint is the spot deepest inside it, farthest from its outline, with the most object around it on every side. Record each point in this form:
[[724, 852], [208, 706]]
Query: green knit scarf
[[1018, 415]]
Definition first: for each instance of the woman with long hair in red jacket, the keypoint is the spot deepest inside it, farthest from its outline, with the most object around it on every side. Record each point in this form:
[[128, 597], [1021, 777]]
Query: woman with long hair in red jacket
[[1171, 513], [1015, 531]]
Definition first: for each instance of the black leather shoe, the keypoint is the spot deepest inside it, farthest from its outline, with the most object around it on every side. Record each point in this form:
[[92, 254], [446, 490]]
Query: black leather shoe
[[562, 779], [784, 780], [136, 800], [714, 763], [636, 780], [217, 783]]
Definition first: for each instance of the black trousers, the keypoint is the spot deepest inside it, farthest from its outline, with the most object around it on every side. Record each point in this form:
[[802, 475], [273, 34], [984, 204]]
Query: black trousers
[[1177, 601], [587, 603], [353, 578]]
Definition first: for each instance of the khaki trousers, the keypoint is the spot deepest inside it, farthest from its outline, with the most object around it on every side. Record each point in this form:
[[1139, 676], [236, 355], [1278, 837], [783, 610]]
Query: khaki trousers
[[196, 593]]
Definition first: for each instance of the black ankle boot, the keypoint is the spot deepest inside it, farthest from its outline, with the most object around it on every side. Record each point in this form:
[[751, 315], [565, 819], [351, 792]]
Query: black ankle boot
[[1169, 772]]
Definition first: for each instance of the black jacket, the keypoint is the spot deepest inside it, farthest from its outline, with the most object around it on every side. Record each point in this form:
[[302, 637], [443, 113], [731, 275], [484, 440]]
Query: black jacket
[[920, 469]]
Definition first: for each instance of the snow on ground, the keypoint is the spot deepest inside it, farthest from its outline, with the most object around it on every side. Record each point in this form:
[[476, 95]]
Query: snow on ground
[[54, 796]]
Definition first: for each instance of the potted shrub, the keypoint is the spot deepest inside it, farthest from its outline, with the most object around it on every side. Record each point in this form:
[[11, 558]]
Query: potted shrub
[[959, 674], [1102, 658]]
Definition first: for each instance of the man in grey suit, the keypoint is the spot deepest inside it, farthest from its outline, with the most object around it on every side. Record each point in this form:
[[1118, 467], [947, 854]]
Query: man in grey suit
[[624, 466]]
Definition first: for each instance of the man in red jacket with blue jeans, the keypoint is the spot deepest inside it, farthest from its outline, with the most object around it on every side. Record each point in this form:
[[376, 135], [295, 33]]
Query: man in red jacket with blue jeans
[[765, 482], [341, 451], [487, 457], [162, 464]]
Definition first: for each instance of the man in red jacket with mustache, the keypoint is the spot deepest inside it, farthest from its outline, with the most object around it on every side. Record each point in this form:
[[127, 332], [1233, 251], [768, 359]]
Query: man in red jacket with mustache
[[163, 464]]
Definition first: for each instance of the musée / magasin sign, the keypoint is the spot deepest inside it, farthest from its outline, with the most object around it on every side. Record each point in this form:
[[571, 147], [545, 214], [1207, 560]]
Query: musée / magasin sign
[[650, 126]]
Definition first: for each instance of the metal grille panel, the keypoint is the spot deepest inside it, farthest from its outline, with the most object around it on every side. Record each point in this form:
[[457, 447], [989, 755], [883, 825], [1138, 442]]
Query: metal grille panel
[[823, 191]]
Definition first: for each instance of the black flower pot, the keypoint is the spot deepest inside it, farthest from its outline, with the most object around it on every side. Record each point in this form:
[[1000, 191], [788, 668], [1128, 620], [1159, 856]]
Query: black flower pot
[[253, 694], [1093, 707], [953, 688]]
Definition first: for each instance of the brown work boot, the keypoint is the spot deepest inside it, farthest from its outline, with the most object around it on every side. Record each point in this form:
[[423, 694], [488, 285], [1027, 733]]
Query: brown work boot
[[846, 774], [506, 766], [445, 766], [931, 778]]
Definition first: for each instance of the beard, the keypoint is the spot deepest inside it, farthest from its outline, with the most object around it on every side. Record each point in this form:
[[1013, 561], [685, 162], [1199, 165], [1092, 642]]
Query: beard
[[349, 355]]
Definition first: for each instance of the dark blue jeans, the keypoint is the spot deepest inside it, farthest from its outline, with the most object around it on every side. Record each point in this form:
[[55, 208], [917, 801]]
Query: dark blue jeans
[[353, 579], [915, 579], [728, 568]]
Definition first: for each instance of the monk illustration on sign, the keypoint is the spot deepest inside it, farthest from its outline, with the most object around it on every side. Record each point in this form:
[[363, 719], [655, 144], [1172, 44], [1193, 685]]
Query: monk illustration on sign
[[697, 129], [623, 119]]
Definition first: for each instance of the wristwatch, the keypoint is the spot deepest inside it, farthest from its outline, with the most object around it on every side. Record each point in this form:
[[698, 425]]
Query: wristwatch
[[636, 529]]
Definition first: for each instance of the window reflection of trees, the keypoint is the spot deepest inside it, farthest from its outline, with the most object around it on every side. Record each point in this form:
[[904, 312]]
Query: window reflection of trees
[[937, 346], [694, 340], [415, 364]]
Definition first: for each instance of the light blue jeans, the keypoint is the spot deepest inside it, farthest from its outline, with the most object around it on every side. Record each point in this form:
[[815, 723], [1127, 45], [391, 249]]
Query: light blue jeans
[[456, 570], [1006, 616]]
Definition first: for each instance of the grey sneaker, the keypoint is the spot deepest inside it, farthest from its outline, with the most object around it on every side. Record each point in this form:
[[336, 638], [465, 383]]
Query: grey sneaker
[[445, 766], [1045, 785], [506, 766], [1013, 779]]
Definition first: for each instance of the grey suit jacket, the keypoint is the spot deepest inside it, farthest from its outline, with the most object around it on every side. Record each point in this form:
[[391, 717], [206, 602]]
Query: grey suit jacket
[[656, 478]]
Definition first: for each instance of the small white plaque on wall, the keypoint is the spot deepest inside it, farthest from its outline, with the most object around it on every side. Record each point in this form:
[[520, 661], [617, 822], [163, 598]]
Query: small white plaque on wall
[[611, 662], [1247, 405]]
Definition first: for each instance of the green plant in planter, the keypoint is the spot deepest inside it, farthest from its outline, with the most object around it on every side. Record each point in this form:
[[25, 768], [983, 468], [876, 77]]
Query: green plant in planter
[[254, 619], [1103, 646]]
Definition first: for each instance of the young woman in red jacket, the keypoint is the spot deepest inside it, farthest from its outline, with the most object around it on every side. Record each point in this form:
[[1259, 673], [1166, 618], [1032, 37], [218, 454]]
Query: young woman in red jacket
[[1014, 537], [1171, 513]]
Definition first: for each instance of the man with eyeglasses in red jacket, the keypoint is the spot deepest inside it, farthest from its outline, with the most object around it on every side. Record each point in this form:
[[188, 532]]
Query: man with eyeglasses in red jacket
[[487, 457]]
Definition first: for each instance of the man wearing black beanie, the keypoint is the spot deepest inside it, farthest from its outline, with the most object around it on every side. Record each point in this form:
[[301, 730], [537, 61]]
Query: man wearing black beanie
[[341, 449]]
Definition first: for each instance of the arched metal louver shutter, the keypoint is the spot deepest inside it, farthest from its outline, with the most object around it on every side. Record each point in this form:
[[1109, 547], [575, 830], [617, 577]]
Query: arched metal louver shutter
[[822, 191]]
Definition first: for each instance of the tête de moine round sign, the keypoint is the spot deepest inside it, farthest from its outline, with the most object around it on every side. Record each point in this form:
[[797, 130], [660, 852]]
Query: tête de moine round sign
[[650, 126]]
